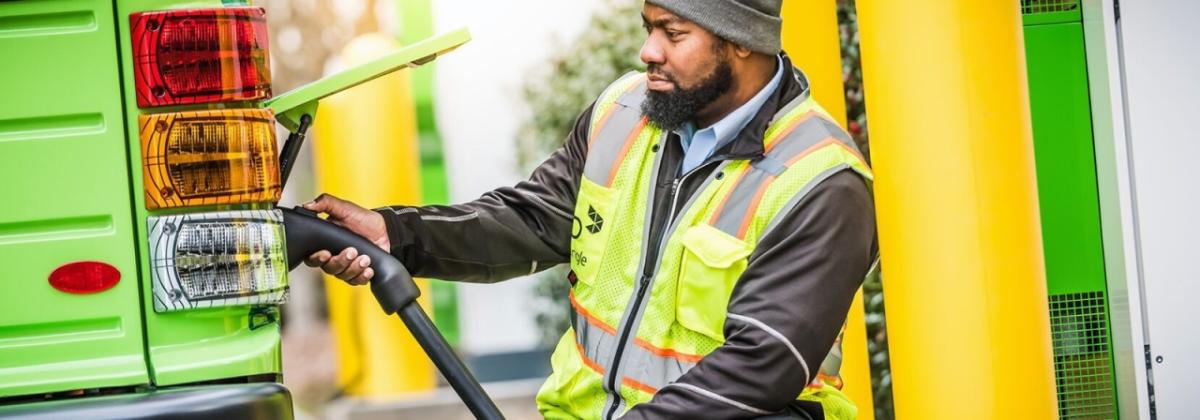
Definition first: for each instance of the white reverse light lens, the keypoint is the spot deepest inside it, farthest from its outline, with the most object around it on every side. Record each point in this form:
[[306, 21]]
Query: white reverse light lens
[[205, 260]]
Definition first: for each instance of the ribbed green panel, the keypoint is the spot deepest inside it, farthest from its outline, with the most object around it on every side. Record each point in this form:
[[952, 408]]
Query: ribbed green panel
[[1082, 361], [65, 193]]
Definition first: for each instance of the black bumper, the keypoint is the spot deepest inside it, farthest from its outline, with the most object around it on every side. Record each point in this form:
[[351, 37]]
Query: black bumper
[[222, 402]]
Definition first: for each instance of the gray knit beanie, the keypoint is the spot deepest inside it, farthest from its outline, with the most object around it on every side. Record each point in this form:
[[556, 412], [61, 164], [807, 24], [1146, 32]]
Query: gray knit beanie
[[754, 24]]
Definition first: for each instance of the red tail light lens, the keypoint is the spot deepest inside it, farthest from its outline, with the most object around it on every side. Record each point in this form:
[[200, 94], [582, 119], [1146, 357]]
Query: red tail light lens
[[85, 277], [200, 56]]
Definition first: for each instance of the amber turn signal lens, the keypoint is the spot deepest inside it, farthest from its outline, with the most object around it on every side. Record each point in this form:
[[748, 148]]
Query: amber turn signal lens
[[209, 157]]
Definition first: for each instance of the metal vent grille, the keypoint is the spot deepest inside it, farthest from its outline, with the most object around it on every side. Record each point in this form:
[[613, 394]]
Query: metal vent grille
[[1082, 361], [1031, 7]]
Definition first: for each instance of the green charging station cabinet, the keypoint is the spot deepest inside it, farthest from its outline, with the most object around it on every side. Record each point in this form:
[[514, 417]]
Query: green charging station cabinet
[[1070, 208]]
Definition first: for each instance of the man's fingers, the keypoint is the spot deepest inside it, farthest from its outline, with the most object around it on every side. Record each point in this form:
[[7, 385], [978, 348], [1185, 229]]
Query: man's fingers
[[340, 262], [356, 268], [347, 265], [363, 278], [318, 258]]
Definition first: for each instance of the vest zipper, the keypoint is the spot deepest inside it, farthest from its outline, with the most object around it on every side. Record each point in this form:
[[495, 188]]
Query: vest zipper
[[649, 267]]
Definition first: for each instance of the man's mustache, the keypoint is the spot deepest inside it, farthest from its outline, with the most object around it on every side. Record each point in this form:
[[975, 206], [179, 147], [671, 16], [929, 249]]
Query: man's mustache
[[657, 71]]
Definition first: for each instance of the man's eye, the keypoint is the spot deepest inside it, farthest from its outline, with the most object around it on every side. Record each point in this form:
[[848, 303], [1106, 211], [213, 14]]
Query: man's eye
[[673, 34]]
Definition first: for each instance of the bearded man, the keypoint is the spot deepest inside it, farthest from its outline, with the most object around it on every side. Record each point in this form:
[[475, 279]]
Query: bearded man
[[716, 220]]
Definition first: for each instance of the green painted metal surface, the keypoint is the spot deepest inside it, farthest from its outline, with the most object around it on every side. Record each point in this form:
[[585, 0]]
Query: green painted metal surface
[[416, 23], [66, 198], [188, 346], [1066, 168]]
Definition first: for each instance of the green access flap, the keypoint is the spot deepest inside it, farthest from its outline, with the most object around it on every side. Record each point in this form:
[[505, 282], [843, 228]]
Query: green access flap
[[290, 106]]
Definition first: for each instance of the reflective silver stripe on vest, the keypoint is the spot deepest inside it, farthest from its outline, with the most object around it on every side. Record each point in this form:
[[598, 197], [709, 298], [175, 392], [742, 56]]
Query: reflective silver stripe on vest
[[604, 154], [598, 346], [796, 199], [653, 370], [742, 200]]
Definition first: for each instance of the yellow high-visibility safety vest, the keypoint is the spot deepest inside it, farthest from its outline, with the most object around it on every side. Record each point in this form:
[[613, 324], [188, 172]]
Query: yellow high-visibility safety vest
[[683, 314]]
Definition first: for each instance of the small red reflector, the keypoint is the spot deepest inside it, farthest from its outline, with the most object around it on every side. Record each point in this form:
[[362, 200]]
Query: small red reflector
[[85, 277], [194, 56]]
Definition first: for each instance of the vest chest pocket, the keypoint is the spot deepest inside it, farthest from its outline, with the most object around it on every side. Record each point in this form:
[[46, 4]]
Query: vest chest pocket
[[712, 263], [591, 224]]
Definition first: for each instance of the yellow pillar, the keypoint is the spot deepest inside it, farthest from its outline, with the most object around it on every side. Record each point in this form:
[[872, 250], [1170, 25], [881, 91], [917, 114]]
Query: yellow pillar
[[365, 150], [810, 37], [958, 215]]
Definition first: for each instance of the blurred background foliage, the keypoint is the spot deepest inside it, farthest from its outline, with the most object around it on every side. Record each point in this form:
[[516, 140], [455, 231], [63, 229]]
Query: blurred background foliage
[[588, 64], [608, 49]]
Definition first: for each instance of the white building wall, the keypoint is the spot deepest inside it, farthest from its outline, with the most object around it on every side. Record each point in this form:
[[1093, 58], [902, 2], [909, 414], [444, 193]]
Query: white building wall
[[1160, 61]]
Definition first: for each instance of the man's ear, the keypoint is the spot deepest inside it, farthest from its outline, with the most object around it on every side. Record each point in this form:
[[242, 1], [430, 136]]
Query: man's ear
[[741, 52]]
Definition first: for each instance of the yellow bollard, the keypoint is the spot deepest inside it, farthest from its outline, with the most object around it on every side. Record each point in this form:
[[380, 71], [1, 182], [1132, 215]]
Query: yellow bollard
[[955, 186], [365, 151], [810, 37]]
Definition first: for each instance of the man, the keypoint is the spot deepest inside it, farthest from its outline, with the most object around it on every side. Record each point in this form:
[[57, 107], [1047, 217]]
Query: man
[[717, 224]]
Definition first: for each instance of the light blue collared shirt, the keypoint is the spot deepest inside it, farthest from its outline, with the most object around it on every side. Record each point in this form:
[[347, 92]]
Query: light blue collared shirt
[[699, 145]]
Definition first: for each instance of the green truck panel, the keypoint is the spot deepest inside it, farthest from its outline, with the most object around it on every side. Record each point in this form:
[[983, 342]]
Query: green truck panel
[[67, 199], [68, 135]]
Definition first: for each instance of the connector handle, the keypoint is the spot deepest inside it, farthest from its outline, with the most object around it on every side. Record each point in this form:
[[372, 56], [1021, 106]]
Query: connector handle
[[394, 289], [306, 234]]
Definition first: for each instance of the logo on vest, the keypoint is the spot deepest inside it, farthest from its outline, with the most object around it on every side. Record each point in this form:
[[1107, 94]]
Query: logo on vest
[[593, 228], [597, 221]]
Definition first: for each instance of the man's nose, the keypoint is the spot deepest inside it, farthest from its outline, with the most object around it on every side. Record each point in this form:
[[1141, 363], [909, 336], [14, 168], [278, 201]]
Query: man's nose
[[651, 52]]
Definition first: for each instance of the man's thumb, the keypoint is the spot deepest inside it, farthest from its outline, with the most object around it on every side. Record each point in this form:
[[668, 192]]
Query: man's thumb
[[328, 204]]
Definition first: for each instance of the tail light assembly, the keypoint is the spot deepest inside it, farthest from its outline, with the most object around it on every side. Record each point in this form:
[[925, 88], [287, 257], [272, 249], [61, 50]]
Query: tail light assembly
[[207, 152], [218, 259], [209, 157], [196, 56]]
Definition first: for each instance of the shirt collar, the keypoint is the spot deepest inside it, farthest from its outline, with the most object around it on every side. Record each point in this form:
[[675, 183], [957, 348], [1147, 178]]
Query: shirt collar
[[733, 123]]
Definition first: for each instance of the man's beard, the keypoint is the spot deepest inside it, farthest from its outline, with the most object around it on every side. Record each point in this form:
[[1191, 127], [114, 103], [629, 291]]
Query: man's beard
[[671, 110]]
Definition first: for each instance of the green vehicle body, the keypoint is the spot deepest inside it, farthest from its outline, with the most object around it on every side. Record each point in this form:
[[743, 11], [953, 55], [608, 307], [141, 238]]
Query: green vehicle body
[[72, 191]]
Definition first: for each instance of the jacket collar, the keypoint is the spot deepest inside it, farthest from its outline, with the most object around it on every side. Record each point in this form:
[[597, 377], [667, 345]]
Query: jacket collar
[[748, 144]]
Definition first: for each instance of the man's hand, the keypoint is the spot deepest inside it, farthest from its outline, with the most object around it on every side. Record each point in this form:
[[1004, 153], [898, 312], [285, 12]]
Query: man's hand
[[349, 265]]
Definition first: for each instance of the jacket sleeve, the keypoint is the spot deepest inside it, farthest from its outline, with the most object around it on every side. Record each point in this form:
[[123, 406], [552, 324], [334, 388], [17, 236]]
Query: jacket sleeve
[[785, 312], [508, 232]]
